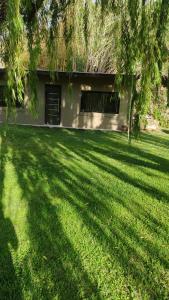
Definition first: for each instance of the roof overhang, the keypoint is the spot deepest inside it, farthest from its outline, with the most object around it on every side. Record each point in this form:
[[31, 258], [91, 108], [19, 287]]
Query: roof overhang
[[59, 74], [81, 75]]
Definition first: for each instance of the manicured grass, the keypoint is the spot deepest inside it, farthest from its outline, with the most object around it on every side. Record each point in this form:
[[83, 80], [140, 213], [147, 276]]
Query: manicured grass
[[83, 215]]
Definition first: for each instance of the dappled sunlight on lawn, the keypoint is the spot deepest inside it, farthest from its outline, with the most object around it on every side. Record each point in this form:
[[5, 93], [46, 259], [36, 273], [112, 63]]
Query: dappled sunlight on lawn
[[90, 214]]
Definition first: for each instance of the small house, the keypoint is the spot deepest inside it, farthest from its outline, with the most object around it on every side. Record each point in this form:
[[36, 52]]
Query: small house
[[72, 100]]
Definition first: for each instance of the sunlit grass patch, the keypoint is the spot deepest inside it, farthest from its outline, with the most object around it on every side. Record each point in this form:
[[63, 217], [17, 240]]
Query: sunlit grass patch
[[84, 215]]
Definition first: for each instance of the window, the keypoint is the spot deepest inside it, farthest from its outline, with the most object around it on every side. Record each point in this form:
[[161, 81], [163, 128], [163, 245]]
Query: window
[[100, 102], [2, 98]]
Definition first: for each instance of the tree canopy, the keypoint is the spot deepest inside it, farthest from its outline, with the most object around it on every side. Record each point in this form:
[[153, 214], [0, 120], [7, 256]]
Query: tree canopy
[[123, 36]]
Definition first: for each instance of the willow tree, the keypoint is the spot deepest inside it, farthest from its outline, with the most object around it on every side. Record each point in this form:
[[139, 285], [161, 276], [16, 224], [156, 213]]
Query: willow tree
[[123, 36], [25, 24], [143, 53]]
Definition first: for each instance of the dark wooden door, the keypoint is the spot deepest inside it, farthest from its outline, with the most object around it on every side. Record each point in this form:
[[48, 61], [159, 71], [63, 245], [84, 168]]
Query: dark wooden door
[[53, 103]]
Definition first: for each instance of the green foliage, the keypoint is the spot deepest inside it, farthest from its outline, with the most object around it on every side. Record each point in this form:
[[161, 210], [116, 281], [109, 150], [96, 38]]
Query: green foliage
[[159, 108], [142, 51], [13, 51], [128, 37]]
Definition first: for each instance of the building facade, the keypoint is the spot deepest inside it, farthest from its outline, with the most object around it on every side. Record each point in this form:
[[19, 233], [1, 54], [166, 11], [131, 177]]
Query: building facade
[[73, 100]]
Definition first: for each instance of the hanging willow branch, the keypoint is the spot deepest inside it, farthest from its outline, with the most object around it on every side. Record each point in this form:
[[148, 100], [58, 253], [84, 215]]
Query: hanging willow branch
[[112, 35], [143, 52], [13, 52]]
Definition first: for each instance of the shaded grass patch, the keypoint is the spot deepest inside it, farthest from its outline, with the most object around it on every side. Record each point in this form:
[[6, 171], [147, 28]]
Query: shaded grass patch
[[85, 215]]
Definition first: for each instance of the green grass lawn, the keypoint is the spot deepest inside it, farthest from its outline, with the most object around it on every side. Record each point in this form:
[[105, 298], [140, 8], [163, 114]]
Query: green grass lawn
[[83, 215]]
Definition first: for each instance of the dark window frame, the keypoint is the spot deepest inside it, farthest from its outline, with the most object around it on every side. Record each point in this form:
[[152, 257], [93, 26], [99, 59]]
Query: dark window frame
[[2, 98], [100, 105], [3, 103]]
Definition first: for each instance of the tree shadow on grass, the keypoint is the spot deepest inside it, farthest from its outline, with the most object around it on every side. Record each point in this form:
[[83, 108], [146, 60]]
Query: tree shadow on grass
[[129, 160], [165, 131], [156, 140], [134, 207], [52, 268], [55, 267], [54, 261], [9, 284]]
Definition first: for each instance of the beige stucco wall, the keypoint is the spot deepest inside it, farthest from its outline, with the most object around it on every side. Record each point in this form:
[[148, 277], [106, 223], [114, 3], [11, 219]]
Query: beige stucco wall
[[70, 106], [72, 117], [23, 115]]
